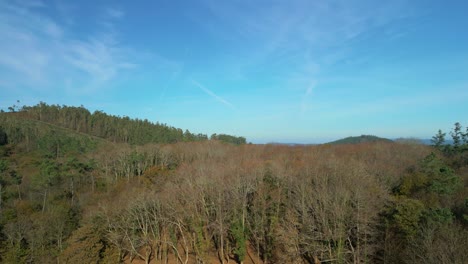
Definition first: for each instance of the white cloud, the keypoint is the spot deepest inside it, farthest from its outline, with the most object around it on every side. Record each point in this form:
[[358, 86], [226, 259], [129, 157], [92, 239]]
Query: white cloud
[[37, 50]]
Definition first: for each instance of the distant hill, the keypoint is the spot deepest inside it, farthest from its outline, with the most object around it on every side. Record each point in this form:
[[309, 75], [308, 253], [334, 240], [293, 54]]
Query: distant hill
[[426, 141], [359, 139], [412, 140]]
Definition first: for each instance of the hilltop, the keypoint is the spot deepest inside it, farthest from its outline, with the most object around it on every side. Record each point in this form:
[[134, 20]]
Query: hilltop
[[359, 139]]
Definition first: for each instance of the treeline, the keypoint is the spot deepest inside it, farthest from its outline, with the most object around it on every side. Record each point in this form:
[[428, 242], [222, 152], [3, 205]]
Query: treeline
[[229, 139], [110, 127]]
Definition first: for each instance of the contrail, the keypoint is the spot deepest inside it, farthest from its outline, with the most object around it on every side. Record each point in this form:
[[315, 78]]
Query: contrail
[[210, 93]]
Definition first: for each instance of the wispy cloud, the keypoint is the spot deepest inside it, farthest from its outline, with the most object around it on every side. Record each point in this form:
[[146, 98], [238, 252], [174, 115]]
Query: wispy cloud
[[38, 49], [115, 13], [296, 35], [212, 94], [305, 104]]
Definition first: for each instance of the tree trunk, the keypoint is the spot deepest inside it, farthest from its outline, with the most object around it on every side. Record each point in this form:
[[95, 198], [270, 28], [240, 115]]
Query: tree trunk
[[149, 253], [44, 201], [19, 192], [72, 190], [92, 182]]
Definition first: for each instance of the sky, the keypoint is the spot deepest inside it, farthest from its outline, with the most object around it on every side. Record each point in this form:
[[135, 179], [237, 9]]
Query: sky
[[272, 71]]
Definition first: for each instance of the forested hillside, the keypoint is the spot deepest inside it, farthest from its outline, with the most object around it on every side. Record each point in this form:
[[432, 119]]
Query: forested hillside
[[77, 187], [99, 124]]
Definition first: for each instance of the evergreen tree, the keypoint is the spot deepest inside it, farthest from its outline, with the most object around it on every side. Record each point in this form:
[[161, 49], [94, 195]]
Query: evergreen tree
[[457, 135], [439, 139]]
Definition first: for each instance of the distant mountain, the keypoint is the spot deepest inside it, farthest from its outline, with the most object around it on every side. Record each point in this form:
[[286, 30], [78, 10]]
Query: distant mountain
[[359, 139], [412, 140]]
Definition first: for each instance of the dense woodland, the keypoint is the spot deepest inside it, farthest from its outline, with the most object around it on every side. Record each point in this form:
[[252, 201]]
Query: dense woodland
[[77, 187], [109, 127]]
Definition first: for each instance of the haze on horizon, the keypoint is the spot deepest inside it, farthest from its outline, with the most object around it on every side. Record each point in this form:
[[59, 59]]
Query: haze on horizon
[[271, 71]]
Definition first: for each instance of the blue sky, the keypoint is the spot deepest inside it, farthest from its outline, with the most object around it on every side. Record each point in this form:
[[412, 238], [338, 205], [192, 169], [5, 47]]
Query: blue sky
[[272, 71]]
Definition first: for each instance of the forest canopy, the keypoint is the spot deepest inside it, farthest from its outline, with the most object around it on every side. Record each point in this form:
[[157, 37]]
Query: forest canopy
[[114, 128], [77, 187]]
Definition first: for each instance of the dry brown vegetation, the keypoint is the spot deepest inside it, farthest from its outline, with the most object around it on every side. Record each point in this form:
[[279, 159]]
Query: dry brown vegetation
[[69, 198], [292, 204], [211, 202]]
